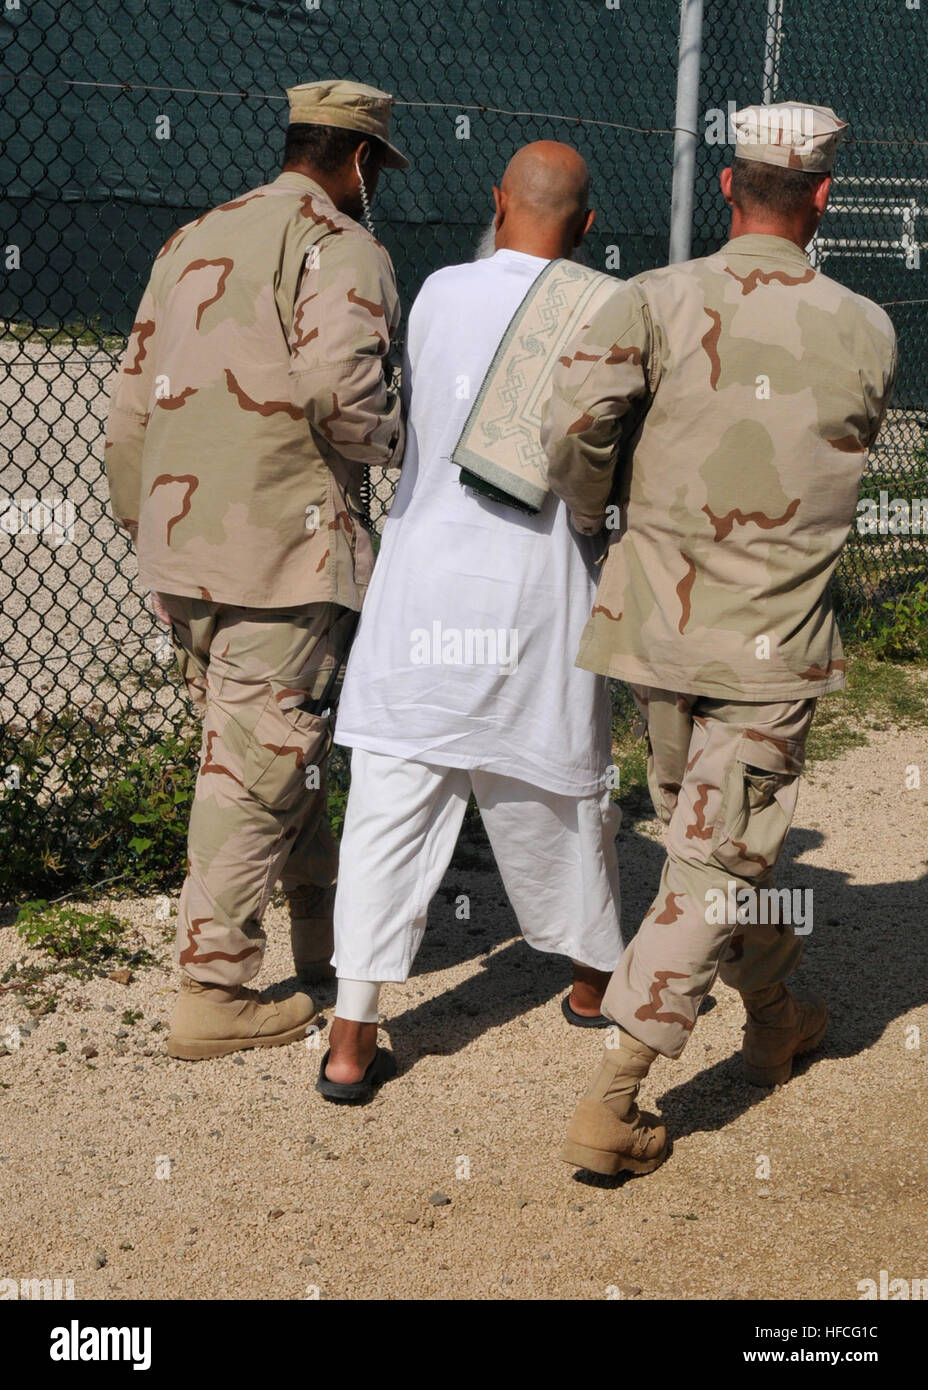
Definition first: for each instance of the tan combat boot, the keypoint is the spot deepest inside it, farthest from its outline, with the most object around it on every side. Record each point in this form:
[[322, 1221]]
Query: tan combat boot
[[778, 1029], [608, 1133], [211, 1020], [311, 934]]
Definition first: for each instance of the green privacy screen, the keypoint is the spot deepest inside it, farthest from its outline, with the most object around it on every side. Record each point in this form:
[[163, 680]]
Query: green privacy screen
[[94, 191]]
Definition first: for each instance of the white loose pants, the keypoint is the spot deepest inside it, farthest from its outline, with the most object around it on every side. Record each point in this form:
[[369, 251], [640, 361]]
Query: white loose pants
[[556, 856]]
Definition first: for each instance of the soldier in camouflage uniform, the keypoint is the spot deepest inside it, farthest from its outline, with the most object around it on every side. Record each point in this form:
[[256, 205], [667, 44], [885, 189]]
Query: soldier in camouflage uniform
[[730, 401], [252, 396]]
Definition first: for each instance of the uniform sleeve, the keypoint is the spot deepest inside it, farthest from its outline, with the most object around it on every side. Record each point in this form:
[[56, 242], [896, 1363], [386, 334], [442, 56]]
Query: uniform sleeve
[[603, 372], [127, 416], [879, 392], [347, 309]]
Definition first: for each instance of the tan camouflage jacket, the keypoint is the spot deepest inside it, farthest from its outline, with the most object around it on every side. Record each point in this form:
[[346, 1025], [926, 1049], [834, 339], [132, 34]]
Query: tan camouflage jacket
[[251, 397], [726, 406]]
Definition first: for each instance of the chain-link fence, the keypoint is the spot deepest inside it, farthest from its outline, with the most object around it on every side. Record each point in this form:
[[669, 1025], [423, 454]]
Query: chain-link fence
[[125, 118]]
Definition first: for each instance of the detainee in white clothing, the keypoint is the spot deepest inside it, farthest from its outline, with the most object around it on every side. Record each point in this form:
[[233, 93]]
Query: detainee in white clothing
[[461, 677], [555, 853]]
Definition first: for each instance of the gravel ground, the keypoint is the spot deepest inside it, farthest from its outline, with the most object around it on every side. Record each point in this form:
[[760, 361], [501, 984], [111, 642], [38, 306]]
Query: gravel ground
[[140, 1177]]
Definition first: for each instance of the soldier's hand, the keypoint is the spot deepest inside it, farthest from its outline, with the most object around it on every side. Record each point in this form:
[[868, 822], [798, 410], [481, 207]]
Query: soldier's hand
[[159, 610]]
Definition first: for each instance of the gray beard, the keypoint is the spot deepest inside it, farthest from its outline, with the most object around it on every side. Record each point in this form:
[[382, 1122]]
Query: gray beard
[[486, 244], [486, 247]]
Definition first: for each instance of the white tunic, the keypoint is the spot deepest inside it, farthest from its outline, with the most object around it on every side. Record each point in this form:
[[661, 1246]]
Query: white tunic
[[465, 649]]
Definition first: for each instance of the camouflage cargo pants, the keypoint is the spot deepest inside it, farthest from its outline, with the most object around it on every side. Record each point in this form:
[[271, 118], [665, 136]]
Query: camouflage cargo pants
[[259, 810], [724, 778]]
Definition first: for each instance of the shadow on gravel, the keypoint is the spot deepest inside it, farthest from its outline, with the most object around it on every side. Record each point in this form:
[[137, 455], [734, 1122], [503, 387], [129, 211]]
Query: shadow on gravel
[[865, 955]]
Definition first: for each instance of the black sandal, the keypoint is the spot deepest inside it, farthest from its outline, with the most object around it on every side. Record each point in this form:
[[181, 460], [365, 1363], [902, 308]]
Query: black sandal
[[583, 1020], [381, 1069]]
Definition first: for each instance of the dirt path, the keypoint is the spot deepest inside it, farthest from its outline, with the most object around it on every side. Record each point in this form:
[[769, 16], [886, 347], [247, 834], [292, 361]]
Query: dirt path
[[265, 1191]]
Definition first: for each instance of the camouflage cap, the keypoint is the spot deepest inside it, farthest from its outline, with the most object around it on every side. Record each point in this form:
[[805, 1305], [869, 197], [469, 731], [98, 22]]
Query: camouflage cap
[[793, 134], [349, 106]]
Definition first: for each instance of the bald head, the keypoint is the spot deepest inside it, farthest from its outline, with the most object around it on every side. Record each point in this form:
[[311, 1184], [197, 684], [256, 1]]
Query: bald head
[[543, 199], [549, 178]]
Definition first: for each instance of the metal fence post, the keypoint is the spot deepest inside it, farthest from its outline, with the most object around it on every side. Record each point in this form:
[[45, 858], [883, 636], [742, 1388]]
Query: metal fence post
[[686, 133], [772, 47]]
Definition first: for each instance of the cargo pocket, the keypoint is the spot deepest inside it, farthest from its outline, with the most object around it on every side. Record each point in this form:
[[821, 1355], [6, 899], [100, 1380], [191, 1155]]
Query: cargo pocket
[[282, 751], [755, 815]]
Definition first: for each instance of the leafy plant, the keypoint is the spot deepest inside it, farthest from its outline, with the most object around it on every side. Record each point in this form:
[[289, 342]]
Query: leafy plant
[[338, 778], [93, 799], [909, 484], [898, 629], [629, 755], [80, 944], [67, 934]]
